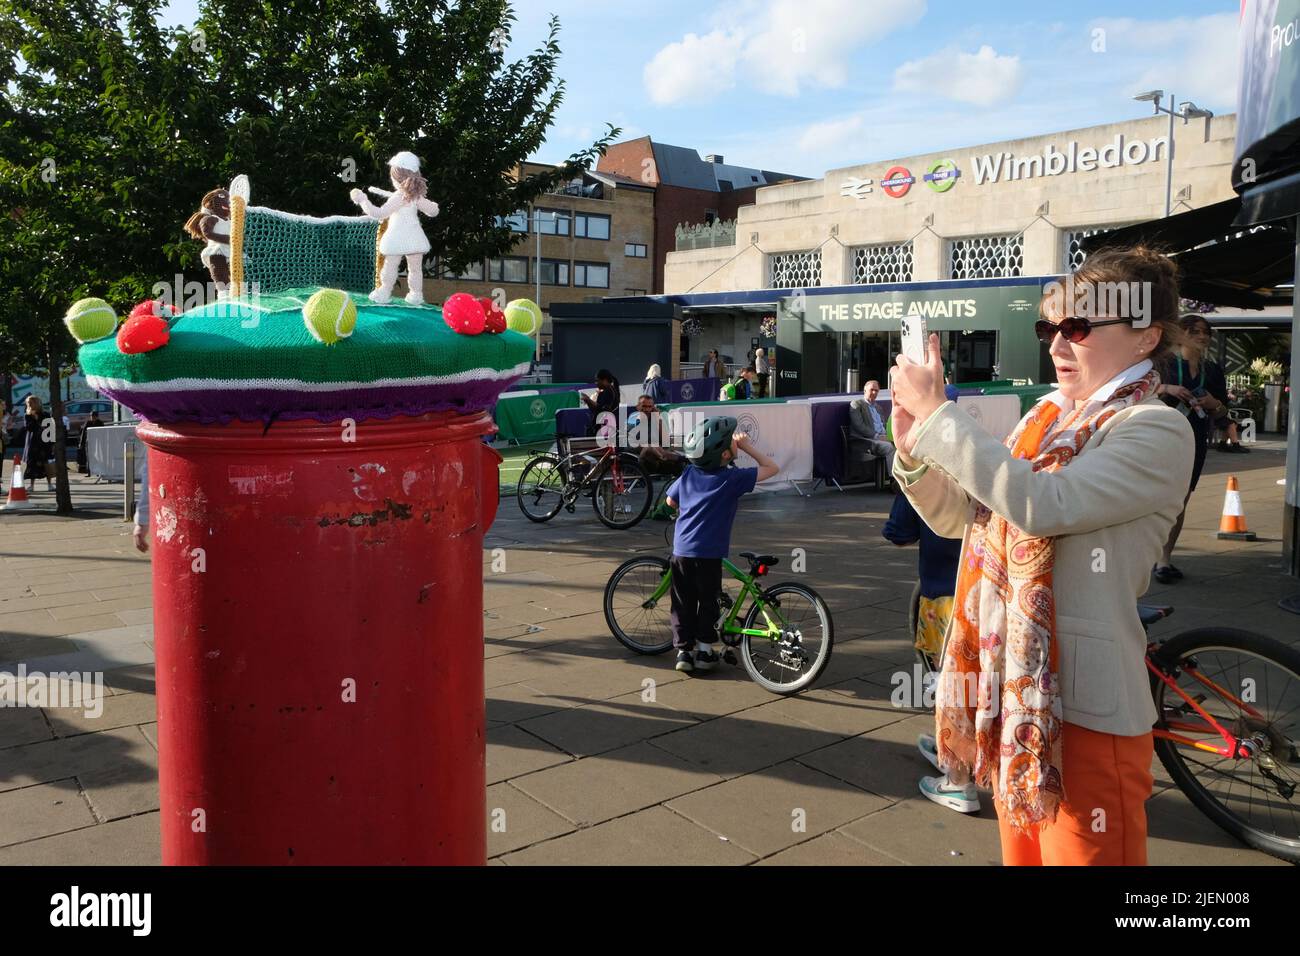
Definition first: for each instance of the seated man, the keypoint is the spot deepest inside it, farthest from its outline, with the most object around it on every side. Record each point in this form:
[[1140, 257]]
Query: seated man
[[867, 428], [647, 430]]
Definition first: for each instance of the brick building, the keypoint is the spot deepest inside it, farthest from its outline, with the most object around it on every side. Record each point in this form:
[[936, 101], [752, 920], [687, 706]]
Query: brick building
[[688, 189], [595, 235]]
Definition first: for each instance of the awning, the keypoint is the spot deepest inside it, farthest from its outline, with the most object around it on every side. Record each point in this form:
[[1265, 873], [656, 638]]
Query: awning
[[1217, 261]]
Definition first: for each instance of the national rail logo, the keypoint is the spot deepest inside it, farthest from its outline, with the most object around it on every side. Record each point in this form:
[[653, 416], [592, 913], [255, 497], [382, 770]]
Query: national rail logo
[[942, 175], [897, 181]]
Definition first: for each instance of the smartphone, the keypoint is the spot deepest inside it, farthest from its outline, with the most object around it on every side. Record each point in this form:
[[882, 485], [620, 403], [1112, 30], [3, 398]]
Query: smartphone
[[914, 338]]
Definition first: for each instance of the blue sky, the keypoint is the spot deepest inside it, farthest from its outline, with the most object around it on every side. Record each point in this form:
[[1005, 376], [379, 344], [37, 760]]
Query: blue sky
[[802, 86]]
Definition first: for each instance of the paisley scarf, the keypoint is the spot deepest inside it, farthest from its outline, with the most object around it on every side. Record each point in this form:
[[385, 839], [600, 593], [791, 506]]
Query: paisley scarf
[[998, 706]]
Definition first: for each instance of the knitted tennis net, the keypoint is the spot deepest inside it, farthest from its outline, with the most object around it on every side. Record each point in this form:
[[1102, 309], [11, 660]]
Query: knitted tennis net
[[281, 250]]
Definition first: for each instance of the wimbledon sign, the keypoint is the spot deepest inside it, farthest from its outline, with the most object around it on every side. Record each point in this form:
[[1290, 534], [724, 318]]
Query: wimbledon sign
[[995, 167]]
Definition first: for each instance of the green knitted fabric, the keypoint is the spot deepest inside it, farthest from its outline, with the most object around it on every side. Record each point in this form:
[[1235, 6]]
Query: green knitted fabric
[[251, 358], [283, 251]]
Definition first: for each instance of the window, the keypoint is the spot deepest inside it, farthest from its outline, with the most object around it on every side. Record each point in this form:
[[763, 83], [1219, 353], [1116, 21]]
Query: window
[[509, 269], [591, 275], [554, 272], [590, 226], [1074, 255], [889, 262], [634, 249], [634, 291], [795, 270], [986, 257], [518, 221], [433, 269], [552, 222]]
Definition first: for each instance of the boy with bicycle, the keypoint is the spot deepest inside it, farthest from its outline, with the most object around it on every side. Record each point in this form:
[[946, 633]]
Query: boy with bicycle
[[708, 494]]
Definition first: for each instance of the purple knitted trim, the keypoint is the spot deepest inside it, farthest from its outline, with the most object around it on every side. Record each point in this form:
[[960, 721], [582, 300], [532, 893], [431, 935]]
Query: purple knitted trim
[[219, 406]]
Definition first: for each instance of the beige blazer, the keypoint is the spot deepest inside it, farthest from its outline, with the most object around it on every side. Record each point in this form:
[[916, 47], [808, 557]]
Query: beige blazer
[[1110, 510]]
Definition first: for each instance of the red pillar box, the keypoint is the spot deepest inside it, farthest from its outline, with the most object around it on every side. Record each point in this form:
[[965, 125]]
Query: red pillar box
[[319, 490], [318, 627]]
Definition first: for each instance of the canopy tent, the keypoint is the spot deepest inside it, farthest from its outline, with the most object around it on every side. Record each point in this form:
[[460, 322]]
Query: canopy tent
[[1217, 261]]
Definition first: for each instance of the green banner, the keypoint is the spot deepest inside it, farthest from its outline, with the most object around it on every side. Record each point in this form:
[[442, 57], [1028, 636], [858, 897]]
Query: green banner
[[531, 417]]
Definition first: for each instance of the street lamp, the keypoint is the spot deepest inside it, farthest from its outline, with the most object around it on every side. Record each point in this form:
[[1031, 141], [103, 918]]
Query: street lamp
[[534, 219], [1187, 111]]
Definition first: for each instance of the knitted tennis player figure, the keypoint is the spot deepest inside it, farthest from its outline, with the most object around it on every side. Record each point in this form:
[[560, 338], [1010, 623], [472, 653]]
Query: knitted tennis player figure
[[212, 224], [403, 238]]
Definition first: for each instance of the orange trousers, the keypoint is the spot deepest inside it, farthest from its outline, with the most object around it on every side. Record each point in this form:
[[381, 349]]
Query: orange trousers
[[1103, 820]]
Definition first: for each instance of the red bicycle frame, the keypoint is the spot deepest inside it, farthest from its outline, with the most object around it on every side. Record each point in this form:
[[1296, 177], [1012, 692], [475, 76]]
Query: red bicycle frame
[[1232, 745]]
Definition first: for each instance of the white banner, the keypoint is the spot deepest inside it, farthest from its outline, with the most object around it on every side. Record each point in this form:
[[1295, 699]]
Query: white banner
[[782, 431], [104, 452]]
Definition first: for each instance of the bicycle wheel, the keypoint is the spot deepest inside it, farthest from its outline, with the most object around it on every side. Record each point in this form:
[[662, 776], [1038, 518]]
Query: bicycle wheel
[[540, 491], [1250, 685], [789, 664], [640, 620], [622, 500]]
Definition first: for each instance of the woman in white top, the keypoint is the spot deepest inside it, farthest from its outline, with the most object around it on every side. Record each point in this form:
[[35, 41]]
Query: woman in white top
[[403, 236]]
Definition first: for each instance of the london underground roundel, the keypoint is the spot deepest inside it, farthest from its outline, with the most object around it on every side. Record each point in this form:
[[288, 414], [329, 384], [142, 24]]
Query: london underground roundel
[[942, 176], [897, 181]]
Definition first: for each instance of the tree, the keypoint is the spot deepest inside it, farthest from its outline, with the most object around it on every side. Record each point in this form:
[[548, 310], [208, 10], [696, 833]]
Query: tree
[[112, 127]]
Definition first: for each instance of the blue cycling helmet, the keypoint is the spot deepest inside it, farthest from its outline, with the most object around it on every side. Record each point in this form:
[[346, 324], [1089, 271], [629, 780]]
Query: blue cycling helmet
[[708, 440]]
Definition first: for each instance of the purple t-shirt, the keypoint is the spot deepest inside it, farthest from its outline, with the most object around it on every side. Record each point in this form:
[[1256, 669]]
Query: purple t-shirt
[[708, 501]]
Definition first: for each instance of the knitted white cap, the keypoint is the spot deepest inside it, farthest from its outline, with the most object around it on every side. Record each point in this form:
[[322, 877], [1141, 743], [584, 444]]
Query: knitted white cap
[[405, 160]]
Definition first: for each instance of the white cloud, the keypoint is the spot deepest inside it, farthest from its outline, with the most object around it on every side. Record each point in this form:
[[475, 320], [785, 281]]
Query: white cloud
[[1195, 57], [776, 46], [983, 78], [832, 137], [694, 67]]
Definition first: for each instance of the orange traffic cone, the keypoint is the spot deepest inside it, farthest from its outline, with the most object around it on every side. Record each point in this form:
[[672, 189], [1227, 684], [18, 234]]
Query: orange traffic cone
[[17, 488], [1233, 523]]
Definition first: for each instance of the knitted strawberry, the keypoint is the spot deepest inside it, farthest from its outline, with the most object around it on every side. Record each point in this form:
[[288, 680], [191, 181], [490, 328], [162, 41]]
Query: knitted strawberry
[[464, 313], [155, 307], [494, 318], [143, 333]]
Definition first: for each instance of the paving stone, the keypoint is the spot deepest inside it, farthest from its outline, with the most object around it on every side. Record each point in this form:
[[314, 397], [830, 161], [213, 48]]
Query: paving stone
[[776, 808], [653, 837], [512, 752], [65, 757], [595, 728], [134, 841], [1178, 834], [621, 781], [118, 710], [516, 820], [33, 812], [830, 849], [919, 832], [22, 725], [756, 738], [123, 790], [885, 761], [515, 702]]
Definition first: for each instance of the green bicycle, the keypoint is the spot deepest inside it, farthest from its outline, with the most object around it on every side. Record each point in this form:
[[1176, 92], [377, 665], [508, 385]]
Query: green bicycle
[[785, 635]]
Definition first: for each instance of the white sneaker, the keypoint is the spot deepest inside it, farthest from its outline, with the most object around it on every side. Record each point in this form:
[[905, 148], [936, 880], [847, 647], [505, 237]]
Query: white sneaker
[[415, 297], [962, 799], [381, 297], [929, 749]]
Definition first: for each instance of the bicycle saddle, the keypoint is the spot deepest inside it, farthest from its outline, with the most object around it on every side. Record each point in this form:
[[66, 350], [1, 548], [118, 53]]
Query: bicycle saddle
[[768, 559], [1150, 613]]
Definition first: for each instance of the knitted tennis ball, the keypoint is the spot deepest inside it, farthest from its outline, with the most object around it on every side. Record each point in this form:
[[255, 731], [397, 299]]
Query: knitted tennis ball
[[330, 315], [464, 313], [143, 333], [90, 319], [523, 315]]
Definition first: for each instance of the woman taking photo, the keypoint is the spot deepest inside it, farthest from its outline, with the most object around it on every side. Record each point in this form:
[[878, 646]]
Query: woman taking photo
[[1195, 386], [1043, 695]]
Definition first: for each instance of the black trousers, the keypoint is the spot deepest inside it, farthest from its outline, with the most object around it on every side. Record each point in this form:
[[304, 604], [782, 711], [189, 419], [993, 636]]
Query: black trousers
[[695, 586]]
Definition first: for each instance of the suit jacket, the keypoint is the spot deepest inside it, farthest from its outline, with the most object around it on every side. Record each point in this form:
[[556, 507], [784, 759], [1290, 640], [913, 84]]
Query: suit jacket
[[860, 423], [1110, 511]]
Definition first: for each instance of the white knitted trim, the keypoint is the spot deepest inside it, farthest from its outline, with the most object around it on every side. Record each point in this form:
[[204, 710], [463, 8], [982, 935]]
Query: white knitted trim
[[100, 383], [296, 217]]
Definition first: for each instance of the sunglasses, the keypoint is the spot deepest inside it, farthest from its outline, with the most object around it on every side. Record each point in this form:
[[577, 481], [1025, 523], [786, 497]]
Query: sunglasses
[[1073, 329]]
